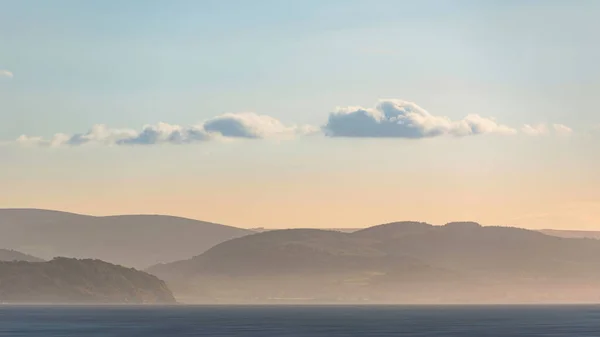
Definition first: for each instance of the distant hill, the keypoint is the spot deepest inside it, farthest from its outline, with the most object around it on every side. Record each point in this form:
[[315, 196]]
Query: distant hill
[[344, 230], [393, 230], [572, 233], [563, 233], [130, 240], [75, 281], [13, 255], [403, 262]]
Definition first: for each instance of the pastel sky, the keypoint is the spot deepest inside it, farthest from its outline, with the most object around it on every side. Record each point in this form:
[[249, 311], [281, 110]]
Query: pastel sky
[[314, 113]]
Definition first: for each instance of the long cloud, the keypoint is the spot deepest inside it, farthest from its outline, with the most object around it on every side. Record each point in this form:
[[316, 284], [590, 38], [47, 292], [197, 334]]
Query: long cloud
[[390, 118], [240, 125], [401, 119]]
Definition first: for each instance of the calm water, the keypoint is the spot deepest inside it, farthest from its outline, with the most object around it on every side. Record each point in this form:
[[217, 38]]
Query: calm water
[[567, 321]]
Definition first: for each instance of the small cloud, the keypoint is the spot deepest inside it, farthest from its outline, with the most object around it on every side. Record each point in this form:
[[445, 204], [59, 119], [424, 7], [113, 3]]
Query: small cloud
[[562, 129], [166, 133], [543, 129], [476, 125], [6, 73], [243, 125], [100, 133], [57, 140], [248, 125], [392, 118], [534, 130]]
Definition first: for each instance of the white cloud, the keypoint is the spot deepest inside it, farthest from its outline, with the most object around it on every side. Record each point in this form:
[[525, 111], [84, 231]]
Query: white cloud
[[476, 125], [251, 125], [390, 118], [241, 125], [393, 118], [6, 73], [534, 130], [100, 133], [57, 140], [543, 129], [166, 133], [562, 129]]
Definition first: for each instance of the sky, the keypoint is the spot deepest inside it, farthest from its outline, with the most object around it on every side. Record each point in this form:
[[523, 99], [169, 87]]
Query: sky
[[304, 114]]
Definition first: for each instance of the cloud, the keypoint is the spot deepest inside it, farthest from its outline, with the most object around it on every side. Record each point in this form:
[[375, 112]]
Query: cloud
[[562, 129], [57, 140], [390, 118], [543, 129], [230, 125], [253, 126], [534, 130], [97, 134], [166, 133], [6, 73], [100, 133], [401, 119]]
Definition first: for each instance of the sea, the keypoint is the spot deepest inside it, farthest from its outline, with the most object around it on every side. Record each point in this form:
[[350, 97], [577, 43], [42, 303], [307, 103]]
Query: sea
[[309, 321]]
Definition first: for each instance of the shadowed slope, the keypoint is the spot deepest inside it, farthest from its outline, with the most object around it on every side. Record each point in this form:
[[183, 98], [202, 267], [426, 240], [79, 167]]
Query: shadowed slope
[[65, 280], [291, 250]]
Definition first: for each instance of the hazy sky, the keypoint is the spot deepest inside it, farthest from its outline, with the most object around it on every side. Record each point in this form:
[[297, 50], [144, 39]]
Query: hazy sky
[[304, 113]]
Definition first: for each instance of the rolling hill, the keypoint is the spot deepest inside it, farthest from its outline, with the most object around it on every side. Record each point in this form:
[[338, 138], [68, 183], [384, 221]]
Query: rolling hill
[[72, 281], [403, 262], [131, 240]]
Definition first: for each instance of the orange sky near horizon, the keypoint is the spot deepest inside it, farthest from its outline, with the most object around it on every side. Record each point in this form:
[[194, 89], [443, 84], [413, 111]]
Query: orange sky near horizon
[[325, 195]]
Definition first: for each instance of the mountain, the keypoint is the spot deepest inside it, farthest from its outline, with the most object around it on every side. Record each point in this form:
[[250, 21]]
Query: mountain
[[131, 240], [64, 280], [13, 255], [402, 262]]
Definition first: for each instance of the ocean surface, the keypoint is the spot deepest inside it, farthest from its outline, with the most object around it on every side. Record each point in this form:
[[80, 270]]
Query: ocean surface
[[267, 321]]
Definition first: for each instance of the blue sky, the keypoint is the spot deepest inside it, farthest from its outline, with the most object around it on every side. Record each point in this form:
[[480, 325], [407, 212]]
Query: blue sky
[[70, 65]]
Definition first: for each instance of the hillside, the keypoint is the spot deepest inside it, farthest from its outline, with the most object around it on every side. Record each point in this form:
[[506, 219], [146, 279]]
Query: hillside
[[74, 281], [272, 252], [131, 240], [295, 263], [404, 262], [13, 255]]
